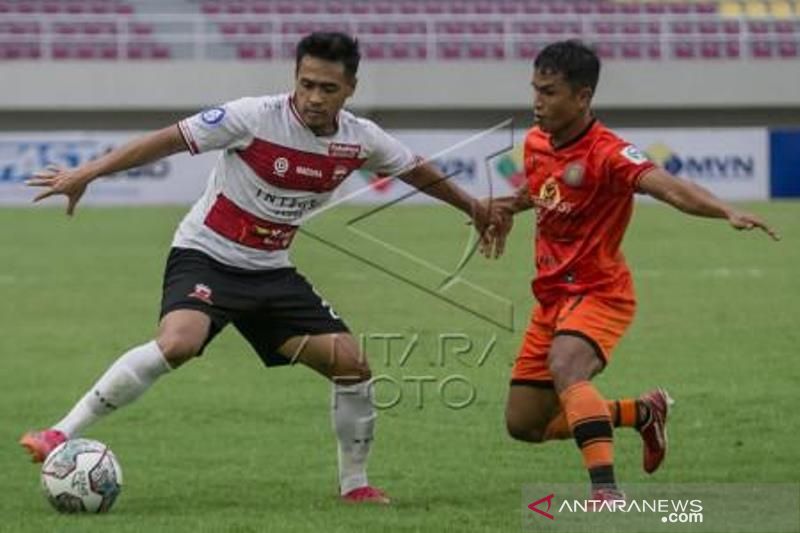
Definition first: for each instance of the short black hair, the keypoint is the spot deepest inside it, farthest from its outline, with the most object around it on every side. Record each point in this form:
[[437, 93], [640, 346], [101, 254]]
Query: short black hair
[[330, 46], [575, 60]]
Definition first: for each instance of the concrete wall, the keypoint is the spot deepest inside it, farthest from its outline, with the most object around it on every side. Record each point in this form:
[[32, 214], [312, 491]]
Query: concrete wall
[[57, 95]]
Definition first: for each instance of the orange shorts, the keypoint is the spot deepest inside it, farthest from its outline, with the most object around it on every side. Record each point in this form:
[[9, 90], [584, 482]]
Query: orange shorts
[[600, 318]]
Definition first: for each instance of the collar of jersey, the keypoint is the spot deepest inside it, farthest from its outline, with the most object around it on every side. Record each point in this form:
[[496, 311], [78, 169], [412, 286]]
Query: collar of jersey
[[575, 139]]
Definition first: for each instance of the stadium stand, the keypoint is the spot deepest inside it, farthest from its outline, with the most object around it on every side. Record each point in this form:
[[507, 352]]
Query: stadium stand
[[409, 30]]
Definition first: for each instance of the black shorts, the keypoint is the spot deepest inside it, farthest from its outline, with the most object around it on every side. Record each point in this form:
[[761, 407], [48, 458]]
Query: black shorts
[[266, 306]]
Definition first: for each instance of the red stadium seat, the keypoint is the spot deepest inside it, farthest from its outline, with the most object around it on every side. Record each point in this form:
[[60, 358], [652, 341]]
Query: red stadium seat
[[679, 8], [708, 27], [758, 26], [606, 50], [123, 9], [433, 7], [710, 50], [761, 49], [263, 8], [51, 7], [532, 8], [632, 51], [788, 49], [450, 51], [235, 8], [528, 50], [732, 50], [682, 27], [683, 50], [210, 8], [631, 8], [784, 26], [605, 28], [557, 8], [731, 27], [583, 8], [607, 8], [374, 51], [655, 8], [706, 7], [410, 7]]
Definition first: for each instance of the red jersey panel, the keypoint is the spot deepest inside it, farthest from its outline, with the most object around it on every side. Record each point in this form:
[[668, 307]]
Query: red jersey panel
[[583, 197]]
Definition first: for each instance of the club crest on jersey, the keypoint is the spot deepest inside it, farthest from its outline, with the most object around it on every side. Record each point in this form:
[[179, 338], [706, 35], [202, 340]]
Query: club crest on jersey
[[340, 172], [202, 293], [549, 195], [633, 154], [280, 166], [573, 175], [213, 115], [344, 150]]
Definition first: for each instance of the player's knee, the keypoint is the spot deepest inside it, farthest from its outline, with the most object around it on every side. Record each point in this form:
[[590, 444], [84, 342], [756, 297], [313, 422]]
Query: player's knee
[[353, 369], [564, 371], [178, 348], [524, 432]]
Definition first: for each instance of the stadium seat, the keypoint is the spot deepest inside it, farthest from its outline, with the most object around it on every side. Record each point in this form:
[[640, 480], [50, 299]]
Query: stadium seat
[[527, 50], [606, 50], [788, 49], [731, 27], [683, 50], [761, 49], [450, 51], [252, 51], [710, 50], [655, 8], [732, 50]]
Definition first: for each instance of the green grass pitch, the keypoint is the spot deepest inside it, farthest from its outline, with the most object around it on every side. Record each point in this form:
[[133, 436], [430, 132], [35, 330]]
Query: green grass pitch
[[226, 445]]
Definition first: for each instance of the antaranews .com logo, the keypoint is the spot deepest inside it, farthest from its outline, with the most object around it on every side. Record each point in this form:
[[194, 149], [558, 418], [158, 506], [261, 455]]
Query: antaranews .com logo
[[667, 508], [681, 511]]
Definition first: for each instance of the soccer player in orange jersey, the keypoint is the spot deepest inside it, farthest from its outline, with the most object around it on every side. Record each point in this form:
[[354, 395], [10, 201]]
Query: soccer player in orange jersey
[[581, 180]]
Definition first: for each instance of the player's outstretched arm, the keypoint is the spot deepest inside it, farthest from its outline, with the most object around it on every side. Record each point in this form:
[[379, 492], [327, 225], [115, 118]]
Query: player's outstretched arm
[[696, 200], [428, 179], [72, 182]]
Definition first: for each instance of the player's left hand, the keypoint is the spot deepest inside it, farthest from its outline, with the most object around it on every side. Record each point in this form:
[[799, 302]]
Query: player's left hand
[[56, 180], [747, 221]]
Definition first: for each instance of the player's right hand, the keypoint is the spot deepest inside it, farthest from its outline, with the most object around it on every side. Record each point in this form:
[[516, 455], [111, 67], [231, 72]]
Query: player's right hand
[[56, 180], [501, 220]]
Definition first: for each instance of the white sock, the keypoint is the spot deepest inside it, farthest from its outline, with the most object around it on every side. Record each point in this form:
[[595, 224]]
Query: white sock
[[354, 421], [123, 382]]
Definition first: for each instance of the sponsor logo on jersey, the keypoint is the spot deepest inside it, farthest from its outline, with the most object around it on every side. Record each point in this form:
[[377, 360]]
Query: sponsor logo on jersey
[[549, 198], [202, 293], [280, 166], [340, 172], [307, 171], [213, 115], [344, 150], [633, 154], [573, 175]]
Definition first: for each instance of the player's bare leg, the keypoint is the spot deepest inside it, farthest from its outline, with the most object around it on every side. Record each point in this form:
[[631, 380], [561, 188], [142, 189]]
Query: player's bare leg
[[180, 337], [338, 357]]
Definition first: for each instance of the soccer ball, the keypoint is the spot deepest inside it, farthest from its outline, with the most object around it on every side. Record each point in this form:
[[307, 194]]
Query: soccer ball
[[81, 476]]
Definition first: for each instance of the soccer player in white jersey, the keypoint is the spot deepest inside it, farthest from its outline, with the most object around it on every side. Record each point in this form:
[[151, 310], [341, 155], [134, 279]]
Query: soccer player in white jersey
[[282, 157]]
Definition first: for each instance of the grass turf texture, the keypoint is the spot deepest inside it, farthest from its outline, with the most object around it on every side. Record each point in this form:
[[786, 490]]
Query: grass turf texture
[[225, 445]]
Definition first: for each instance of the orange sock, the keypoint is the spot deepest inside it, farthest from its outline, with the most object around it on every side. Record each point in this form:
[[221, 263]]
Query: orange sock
[[590, 423], [624, 413]]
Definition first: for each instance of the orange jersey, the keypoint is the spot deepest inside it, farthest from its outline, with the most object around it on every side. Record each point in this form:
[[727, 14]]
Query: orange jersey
[[583, 196]]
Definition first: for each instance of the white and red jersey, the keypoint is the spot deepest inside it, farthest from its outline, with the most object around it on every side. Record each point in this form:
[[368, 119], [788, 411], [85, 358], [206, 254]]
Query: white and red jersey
[[272, 172]]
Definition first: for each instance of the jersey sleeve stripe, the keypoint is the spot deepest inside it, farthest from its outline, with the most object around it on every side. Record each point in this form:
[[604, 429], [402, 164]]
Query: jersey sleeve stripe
[[187, 138]]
